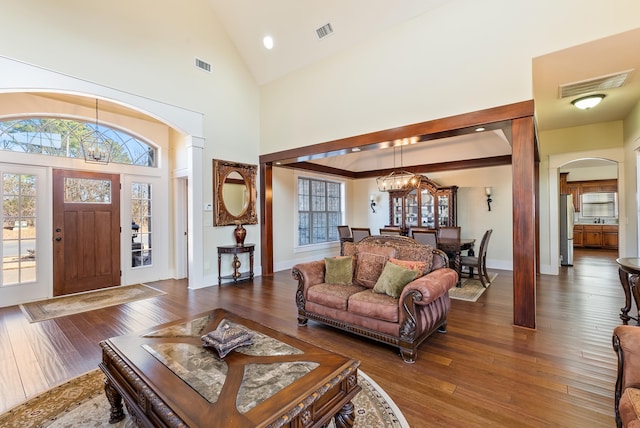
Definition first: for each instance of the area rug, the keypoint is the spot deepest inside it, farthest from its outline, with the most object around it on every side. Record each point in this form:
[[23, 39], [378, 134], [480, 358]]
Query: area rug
[[87, 301], [81, 402], [471, 289]]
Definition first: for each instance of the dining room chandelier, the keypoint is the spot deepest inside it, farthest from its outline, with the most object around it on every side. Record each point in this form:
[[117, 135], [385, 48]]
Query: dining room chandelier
[[398, 179], [95, 146]]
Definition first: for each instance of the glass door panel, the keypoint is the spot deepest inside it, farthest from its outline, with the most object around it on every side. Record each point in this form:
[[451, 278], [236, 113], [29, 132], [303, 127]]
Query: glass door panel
[[411, 208], [427, 214]]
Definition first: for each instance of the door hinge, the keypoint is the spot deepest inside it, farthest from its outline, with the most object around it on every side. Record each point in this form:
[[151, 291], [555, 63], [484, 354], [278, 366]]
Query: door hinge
[[120, 273]]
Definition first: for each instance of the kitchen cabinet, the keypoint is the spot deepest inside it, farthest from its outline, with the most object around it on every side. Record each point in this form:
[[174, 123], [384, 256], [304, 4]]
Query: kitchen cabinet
[[575, 190], [428, 205], [596, 236], [577, 235], [578, 188], [592, 236], [610, 237]]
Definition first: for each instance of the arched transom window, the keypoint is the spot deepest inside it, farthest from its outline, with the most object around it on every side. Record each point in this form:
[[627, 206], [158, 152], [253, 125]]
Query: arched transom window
[[63, 137]]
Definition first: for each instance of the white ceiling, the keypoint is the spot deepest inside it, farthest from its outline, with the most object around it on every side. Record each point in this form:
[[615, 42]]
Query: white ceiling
[[292, 24]]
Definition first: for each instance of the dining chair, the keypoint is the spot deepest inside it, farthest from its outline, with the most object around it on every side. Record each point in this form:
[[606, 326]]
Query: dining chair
[[479, 262], [427, 237], [360, 232], [344, 232], [390, 231], [449, 232]]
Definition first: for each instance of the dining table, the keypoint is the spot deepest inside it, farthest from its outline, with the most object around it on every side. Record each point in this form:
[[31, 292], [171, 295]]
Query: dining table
[[454, 247]]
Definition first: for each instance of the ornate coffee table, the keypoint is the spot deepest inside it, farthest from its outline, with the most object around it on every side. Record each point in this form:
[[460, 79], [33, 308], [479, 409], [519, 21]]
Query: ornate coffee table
[[167, 378]]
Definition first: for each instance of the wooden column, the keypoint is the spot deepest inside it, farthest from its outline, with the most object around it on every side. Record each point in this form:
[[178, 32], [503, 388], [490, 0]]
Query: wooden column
[[266, 218], [524, 222]]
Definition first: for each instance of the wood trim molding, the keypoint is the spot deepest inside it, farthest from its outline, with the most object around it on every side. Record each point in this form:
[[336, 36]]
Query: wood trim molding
[[518, 124], [491, 119]]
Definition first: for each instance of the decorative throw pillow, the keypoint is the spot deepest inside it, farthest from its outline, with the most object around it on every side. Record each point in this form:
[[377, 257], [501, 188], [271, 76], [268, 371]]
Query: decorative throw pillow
[[370, 262], [416, 265], [338, 270], [393, 280]]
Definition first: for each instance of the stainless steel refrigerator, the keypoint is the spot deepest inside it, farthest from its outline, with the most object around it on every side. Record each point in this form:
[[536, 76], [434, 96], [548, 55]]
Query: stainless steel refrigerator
[[566, 230]]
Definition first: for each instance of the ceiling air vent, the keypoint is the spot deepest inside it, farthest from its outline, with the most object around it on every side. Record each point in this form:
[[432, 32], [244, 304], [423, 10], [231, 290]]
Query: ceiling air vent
[[203, 65], [610, 81], [324, 31]]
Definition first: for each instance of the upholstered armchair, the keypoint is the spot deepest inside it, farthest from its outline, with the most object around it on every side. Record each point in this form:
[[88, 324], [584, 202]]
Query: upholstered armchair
[[626, 343]]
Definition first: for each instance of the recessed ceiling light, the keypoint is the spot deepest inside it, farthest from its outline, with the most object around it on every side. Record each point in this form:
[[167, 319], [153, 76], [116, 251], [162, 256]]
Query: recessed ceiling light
[[585, 103], [480, 129], [355, 149], [268, 42]]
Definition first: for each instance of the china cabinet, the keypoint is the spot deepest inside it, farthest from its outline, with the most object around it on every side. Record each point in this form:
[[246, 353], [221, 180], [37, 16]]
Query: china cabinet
[[428, 205]]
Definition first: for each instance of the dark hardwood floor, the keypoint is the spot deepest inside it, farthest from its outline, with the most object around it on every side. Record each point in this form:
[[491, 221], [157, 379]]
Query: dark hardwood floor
[[483, 372]]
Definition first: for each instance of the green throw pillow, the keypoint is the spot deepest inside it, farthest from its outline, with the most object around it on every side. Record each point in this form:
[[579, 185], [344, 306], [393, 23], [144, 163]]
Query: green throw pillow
[[338, 270], [393, 280]]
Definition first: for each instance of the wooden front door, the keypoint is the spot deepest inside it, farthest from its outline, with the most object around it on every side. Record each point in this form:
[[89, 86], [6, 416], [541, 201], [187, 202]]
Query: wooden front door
[[86, 231]]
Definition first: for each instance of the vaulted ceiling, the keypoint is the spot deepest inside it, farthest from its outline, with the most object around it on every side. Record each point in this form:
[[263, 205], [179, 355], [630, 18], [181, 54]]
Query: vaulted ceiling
[[293, 25]]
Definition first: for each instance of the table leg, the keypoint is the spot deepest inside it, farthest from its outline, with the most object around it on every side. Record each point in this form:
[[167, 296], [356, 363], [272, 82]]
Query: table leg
[[346, 417], [635, 292], [236, 268], [457, 265], [624, 311], [219, 266], [115, 399], [251, 264]]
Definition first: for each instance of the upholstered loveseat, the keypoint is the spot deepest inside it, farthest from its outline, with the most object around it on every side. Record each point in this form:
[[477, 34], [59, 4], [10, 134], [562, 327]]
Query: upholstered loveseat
[[374, 298], [626, 343]]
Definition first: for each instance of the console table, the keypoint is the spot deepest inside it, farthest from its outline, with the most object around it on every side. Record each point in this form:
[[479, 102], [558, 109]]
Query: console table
[[235, 250], [629, 270]]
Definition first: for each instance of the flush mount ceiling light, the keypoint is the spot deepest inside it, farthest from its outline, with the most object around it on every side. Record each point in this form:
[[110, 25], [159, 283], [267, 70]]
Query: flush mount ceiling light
[[268, 42], [584, 103]]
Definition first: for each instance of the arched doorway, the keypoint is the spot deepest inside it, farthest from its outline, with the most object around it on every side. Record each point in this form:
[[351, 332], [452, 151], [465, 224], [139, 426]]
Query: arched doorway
[[596, 164]]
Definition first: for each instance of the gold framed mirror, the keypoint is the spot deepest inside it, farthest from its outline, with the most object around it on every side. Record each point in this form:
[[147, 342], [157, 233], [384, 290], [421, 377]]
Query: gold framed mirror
[[234, 193]]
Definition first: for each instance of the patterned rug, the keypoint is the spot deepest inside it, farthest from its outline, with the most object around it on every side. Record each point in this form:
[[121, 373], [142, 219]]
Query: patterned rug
[[87, 301], [471, 289], [81, 402]]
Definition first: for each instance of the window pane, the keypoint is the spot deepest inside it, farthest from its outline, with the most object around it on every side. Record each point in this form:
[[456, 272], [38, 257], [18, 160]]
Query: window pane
[[319, 210], [64, 137], [18, 229], [141, 222], [87, 190]]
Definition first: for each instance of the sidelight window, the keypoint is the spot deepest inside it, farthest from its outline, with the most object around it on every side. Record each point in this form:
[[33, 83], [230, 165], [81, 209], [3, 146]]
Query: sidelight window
[[141, 233], [18, 229]]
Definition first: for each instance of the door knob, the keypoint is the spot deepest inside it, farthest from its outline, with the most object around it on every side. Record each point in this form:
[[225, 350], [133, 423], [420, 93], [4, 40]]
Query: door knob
[[58, 229], [58, 239]]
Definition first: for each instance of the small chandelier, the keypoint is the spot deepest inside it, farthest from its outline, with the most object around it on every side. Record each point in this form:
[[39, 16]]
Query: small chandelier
[[398, 180], [95, 147]]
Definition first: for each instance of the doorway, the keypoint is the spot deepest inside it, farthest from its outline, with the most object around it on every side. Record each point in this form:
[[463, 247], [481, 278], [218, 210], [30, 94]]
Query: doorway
[[86, 231], [557, 164]]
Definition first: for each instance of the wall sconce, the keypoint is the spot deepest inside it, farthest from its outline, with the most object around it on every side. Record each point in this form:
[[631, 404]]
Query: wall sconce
[[487, 190], [372, 198]]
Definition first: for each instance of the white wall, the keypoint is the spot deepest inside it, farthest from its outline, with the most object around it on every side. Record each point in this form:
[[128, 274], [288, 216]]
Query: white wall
[[473, 216], [148, 48], [462, 57]]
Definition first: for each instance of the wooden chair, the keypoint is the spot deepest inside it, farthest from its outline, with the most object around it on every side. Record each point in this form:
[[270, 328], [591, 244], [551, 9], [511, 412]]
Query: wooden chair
[[390, 231], [479, 262], [360, 232], [449, 232], [344, 232], [427, 237]]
